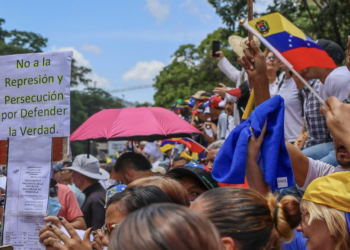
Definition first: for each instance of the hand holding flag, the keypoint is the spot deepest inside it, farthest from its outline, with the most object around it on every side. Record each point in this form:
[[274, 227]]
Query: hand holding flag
[[296, 50]]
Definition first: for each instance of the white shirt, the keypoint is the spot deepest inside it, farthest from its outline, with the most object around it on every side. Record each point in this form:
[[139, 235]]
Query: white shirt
[[318, 169], [231, 125], [293, 120], [336, 84], [222, 126], [273, 87], [234, 75], [3, 180]]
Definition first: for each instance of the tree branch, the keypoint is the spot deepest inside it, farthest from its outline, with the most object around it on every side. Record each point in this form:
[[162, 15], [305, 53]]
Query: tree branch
[[318, 5], [336, 30], [310, 15]]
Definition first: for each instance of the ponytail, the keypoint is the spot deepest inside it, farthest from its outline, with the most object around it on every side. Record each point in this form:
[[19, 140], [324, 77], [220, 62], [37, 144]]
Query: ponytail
[[285, 214]]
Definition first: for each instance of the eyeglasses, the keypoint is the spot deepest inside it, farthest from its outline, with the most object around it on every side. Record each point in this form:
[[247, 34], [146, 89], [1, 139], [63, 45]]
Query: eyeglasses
[[273, 58], [303, 215], [108, 229]]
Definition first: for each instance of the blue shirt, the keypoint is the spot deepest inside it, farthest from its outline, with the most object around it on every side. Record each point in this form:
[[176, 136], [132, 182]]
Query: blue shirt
[[298, 242], [78, 194]]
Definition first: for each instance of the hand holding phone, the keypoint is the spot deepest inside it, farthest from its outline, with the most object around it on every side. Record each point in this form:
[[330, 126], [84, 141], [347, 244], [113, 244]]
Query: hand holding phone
[[215, 48]]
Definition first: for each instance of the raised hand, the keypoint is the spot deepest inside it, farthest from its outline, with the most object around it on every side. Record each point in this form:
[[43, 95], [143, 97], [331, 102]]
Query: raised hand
[[221, 55], [253, 61], [221, 91]]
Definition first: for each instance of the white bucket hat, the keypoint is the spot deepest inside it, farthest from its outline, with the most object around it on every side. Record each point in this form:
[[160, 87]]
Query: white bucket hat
[[89, 167], [237, 43]]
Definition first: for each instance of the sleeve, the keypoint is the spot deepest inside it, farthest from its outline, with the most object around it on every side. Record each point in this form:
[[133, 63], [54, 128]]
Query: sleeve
[[339, 87], [222, 127], [229, 70], [98, 217], [73, 209], [316, 169]]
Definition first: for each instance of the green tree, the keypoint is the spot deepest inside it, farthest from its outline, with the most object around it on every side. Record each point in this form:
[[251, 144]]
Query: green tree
[[83, 105], [192, 69], [145, 104]]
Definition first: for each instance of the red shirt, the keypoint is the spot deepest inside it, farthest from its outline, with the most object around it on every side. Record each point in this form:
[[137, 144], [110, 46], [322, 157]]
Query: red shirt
[[69, 205]]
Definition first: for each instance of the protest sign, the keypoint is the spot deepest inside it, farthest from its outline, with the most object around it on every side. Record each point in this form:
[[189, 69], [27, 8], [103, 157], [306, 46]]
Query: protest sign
[[35, 95], [28, 173]]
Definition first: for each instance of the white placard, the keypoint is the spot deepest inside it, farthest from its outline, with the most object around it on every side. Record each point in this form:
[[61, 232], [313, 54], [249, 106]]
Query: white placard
[[28, 181], [35, 95]]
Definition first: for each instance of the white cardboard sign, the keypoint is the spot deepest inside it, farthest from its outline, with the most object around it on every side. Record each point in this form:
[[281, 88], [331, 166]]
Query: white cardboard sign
[[35, 95]]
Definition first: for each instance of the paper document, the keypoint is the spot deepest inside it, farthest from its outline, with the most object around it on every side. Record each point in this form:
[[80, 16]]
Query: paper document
[[28, 183]]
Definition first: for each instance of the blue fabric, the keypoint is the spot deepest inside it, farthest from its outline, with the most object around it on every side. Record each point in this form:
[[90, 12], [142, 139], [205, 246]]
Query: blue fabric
[[230, 162], [54, 206], [298, 242], [194, 165]]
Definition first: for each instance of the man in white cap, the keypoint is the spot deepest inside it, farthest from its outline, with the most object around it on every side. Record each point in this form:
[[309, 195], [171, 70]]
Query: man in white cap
[[86, 176]]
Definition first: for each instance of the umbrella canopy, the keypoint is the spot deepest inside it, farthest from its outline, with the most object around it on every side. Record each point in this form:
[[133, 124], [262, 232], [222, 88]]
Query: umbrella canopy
[[138, 124]]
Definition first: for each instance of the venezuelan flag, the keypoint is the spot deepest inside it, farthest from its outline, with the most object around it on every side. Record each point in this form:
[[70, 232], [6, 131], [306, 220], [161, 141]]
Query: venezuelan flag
[[299, 49], [193, 146], [167, 145]]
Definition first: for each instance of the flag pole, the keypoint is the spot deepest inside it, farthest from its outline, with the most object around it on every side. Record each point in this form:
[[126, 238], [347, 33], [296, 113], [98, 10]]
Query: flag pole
[[250, 16], [281, 57]]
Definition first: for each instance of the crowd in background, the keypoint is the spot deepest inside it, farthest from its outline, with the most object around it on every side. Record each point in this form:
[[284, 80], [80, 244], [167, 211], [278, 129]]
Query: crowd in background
[[165, 195]]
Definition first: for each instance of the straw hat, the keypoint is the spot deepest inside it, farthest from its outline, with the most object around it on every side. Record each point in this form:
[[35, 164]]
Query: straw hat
[[237, 43]]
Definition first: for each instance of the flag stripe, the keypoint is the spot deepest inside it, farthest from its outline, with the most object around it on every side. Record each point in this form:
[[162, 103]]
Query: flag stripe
[[283, 41], [303, 58]]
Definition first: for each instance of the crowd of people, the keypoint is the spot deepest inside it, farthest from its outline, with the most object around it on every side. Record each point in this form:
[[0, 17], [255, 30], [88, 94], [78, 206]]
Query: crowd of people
[[173, 198]]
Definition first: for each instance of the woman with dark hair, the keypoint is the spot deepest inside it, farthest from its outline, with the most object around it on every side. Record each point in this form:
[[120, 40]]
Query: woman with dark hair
[[171, 187], [118, 207], [246, 220], [165, 227]]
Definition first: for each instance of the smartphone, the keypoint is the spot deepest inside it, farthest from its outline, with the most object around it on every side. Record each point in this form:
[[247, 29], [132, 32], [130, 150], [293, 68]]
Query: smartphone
[[215, 48], [7, 247]]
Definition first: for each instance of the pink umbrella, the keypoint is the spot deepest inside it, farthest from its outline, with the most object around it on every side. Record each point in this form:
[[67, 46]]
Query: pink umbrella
[[137, 124]]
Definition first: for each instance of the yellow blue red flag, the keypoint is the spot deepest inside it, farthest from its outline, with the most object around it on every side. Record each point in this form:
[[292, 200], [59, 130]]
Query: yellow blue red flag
[[299, 49]]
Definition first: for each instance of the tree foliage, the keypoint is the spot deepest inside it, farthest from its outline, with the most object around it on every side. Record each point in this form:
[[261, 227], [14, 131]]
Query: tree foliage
[[86, 103], [327, 19], [83, 103], [191, 70]]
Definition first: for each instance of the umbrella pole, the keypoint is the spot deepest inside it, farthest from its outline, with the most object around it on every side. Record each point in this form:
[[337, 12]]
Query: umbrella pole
[[88, 149], [132, 146]]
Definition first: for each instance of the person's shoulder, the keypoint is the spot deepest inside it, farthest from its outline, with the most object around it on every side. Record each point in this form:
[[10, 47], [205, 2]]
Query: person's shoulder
[[325, 168], [98, 192], [339, 73], [222, 116], [63, 188]]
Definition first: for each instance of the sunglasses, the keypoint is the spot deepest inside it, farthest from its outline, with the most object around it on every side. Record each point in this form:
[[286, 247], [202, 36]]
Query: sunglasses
[[108, 229], [268, 58]]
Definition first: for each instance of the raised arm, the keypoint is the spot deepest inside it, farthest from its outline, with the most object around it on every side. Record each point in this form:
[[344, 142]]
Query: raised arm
[[255, 65], [227, 68], [338, 117], [254, 175], [300, 164]]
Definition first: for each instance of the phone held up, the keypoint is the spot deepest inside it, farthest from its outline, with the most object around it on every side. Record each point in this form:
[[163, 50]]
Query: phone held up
[[7, 247], [215, 48]]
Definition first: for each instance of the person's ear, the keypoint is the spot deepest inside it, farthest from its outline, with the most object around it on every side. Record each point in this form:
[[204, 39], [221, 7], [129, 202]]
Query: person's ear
[[229, 243], [129, 174]]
